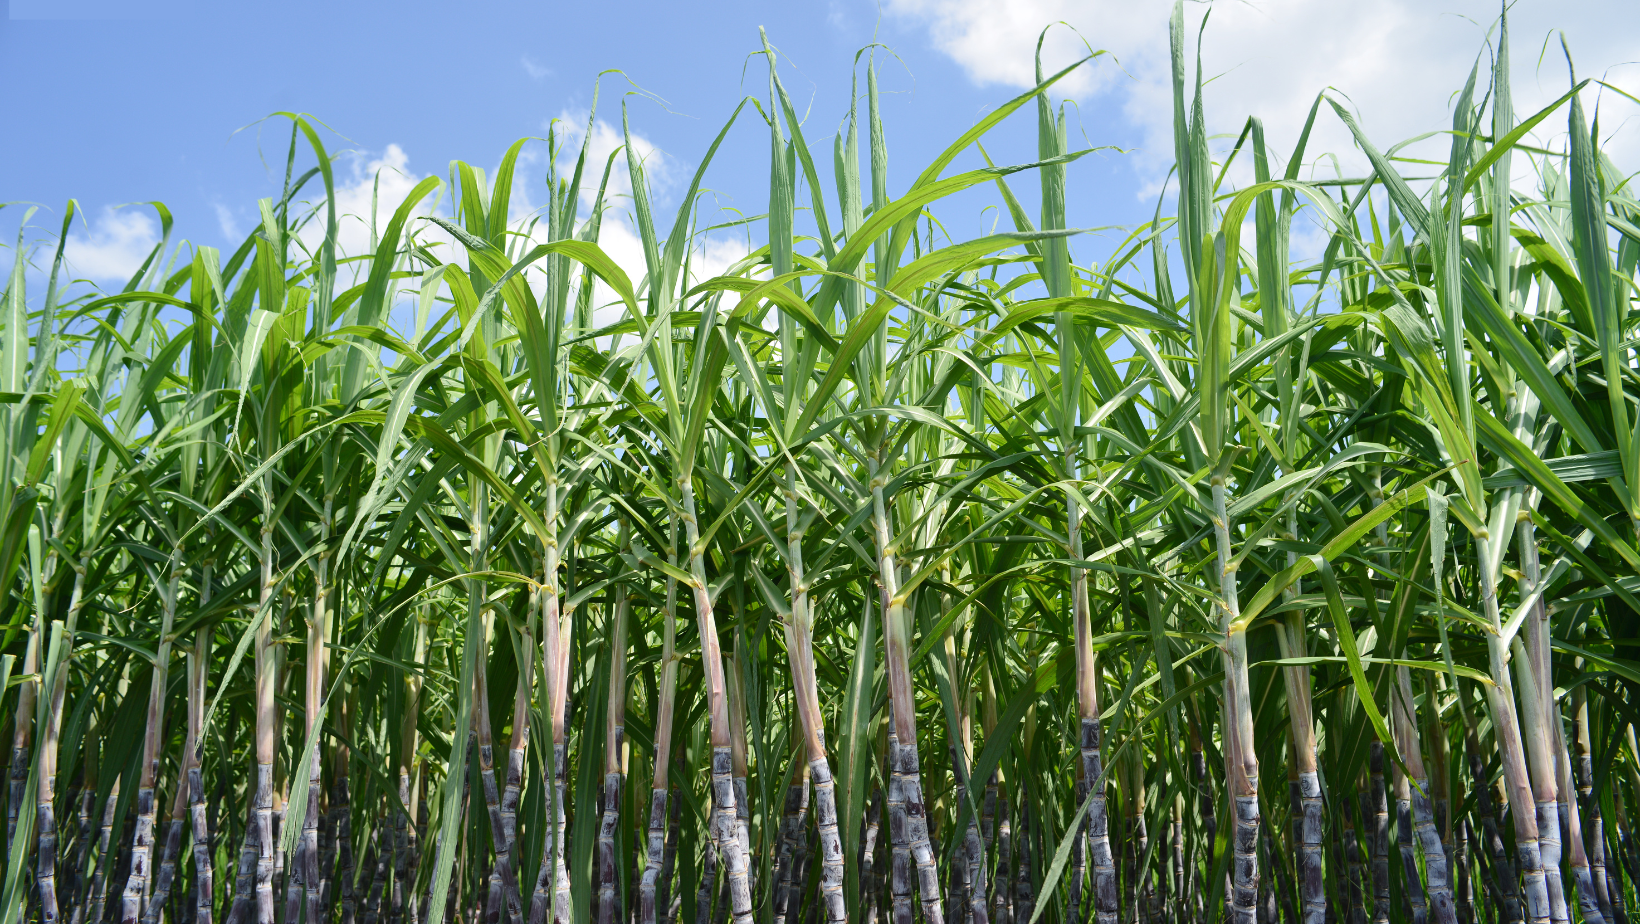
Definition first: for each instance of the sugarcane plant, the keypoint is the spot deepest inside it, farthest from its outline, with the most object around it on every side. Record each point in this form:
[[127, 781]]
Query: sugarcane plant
[[881, 575]]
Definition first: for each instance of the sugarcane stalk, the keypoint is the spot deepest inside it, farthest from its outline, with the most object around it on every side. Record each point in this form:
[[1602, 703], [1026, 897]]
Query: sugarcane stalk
[[260, 835], [507, 860], [1412, 883], [1506, 725], [1546, 803], [1175, 892], [1029, 832], [1538, 711], [649, 885], [739, 758], [1241, 763], [1355, 871], [243, 906], [198, 666], [84, 849], [1536, 632], [1440, 781], [558, 708], [1463, 883], [552, 888], [307, 845], [100, 880], [653, 893], [1545, 791], [1309, 817], [407, 814], [960, 887], [244, 888], [282, 773], [135, 895], [1630, 862], [725, 821], [1267, 904], [972, 903], [911, 838], [1106, 901], [1137, 838], [1620, 843], [609, 910], [922, 848], [327, 847], [1441, 906], [1001, 910], [806, 697], [166, 876], [23, 730], [988, 809], [73, 885], [45, 878], [672, 902], [1204, 804], [899, 870], [1615, 879], [285, 869], [342, 808], [375, 875], [1128, 842], [1375, 812], [1588, 804], [956, 876], [1491, 816], [708, 879], [791, 820], [870, 875], [503, 887]]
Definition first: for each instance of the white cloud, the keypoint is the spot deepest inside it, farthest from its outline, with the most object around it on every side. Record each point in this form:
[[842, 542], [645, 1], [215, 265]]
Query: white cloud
[[389, 177], [714, 256], [1399, 63], [606, 138], [617, 234], [711, 257], [374, 190], [118, 242], [995, 42]]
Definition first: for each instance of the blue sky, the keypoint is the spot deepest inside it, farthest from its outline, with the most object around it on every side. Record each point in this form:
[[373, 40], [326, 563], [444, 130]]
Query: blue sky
[[167, 107], [114, 103]]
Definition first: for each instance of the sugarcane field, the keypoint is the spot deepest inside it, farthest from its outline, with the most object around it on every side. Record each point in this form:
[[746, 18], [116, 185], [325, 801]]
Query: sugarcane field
[[1274, 560]]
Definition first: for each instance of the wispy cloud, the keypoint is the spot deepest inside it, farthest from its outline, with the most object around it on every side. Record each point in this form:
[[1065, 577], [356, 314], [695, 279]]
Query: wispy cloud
[[536, 70], [226, 221], [837, 15]]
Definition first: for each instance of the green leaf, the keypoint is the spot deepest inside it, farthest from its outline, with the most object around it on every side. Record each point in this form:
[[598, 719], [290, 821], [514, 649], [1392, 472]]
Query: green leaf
[[63, 408], [1497, 438], [1346, 643], [1335, 547]]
